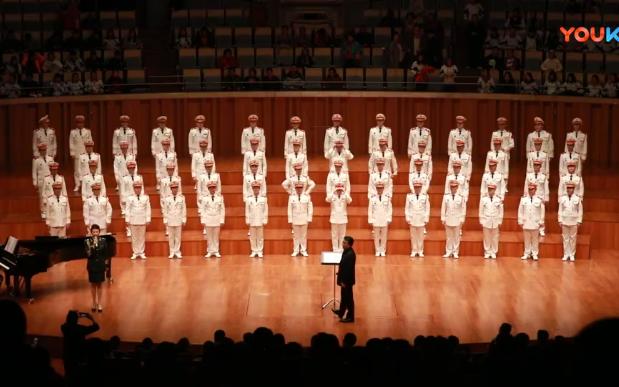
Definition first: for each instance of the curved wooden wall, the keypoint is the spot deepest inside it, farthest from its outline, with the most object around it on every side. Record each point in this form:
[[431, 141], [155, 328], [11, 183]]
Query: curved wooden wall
[[227, 113]]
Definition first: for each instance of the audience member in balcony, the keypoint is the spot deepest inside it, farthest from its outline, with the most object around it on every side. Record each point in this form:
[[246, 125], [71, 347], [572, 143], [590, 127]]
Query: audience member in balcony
[[529, 85], [231, 80], [485, 82], [114, 83], [284, 37], [74, 63], [182, 39], [512, 62], [394, 53], [351, 52], [74, 41], [390, 20], [52, 64], [13, 66], [610, 87], [320, 38], [494, 61], [116, 62], [252, 82], [293, 79], [475, 36], [420, 72], [515, 20], [552, 63], [30, 86], [595, 87], [304, 59], [418, 42], [532, 41], [32, 62], [55, 41], [111, 41], [94, 40], [302, 38], [508, 84], [511, 39], [58, 86], [10, 88], [228, 60], [571, 86], [493, 39], [333, 80], [131, 40], [552, 86], [75, 87], [93, 85], [270, 81], [364, 37], [10, 42], [204, 37], [473, 9], [448, 73], [94, 61]]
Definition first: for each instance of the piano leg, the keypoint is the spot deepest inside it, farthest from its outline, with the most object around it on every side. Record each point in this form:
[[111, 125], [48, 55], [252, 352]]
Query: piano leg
[[15, 289], [28, 286]]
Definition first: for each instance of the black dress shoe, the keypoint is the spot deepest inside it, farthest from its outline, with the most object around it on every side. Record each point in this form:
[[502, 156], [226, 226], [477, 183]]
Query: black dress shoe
[[347, 320]]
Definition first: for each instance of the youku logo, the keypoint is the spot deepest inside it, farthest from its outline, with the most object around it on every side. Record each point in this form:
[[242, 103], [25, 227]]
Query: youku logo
[[596, 34]]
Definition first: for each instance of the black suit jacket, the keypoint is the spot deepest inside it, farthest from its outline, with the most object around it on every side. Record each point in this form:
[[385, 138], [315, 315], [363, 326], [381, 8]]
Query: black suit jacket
[[346, 268]]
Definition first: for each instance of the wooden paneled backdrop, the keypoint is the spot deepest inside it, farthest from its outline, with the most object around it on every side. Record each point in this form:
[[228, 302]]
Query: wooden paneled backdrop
[[226, 114]]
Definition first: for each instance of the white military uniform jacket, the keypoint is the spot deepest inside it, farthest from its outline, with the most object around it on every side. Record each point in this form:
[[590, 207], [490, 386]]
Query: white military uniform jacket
[[531, 212], [308, 184], [502, 162], [496, 178], [125, 134], [158, 135], [77, 138], [383, 177], [570, 210], [391, 164], [453, 210], [331, 135], [291, 159], [417, 209], [126, 186], [459, 134], [250, 178], [57, 211], [541, 155], [163, 159], [344, 156], [490, 211], [377, 133], [565, 158], [339, 208], [120, 165], [40, 169], [137, 211], [547, 143], [197, 163], [88, 181], [334, 178], [164, 186], [251, 156], [256, 211], [195, 136], [580, 146], [174, 210], [47, 136], [97, 210], [85, 158], [426, 167], [463, 185], [579, 189], [212, 210], [380, 211], [417, 134], [47, 188], [300, 209], [465, 159], [203, 181], [247, 134], [541, 180], [420, 177], [292, 134], [508, 140]]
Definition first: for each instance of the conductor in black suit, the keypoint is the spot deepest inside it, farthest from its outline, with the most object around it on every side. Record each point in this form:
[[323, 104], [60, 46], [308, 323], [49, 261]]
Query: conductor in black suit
[[346, 280]]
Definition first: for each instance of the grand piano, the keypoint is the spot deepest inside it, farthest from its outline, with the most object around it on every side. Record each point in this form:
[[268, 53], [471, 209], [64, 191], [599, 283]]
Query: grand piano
[[30, 257]]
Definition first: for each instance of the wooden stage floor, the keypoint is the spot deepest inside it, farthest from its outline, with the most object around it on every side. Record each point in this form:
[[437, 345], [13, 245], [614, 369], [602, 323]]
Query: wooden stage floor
[[396, 296]]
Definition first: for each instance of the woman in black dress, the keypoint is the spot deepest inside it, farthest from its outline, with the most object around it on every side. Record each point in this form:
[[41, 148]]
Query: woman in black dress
[[95, 248]]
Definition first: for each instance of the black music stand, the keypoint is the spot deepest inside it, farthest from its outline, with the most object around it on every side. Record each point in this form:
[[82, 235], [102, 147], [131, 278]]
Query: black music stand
[[333, 259]]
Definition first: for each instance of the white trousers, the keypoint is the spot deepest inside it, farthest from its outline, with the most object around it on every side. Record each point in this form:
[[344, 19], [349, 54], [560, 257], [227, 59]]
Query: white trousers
[[380, 239], [417, 239], [452, 243], [58, 231], [138, 238], [256, 239], [174, 239], [212, 239], [77, 175], [531, 242], [299, 238], [338, 232], [491, 240], [569, 240]]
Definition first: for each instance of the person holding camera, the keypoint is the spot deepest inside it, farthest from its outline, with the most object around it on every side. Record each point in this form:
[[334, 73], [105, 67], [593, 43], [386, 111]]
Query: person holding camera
[[96, 266], [74, 338]]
